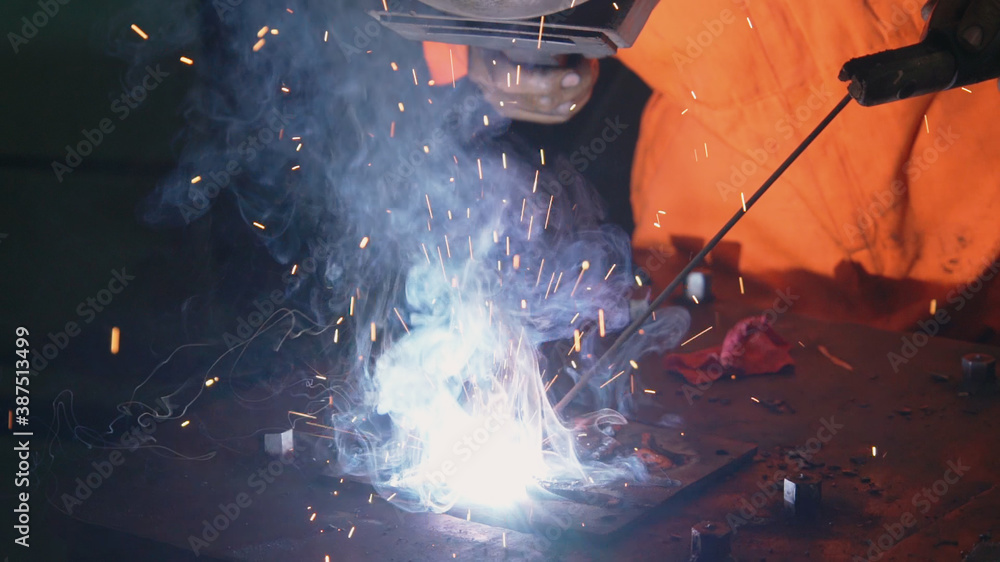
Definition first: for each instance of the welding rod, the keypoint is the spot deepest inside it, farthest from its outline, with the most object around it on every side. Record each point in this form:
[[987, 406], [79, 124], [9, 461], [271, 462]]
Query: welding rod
[[696, 261]]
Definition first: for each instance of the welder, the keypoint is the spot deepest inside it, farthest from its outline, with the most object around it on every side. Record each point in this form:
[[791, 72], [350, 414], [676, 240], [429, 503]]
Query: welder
[[889, 215]]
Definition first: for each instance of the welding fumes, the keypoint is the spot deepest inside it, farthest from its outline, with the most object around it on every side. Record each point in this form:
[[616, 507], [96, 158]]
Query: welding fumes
[[451, 256], [455, 408]]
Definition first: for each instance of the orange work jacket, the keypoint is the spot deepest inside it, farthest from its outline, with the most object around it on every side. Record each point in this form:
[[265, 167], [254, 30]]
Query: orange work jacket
[[891, 217]]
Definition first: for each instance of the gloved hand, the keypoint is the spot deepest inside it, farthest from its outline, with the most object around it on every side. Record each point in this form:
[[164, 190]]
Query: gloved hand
[[537, 93], [978, 24]]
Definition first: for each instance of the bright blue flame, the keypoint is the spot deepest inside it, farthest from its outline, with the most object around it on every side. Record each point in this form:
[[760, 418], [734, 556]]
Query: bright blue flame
[[473, 261]]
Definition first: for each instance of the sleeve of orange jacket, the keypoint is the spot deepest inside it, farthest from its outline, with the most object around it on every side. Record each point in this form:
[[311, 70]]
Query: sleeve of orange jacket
[[447, 63], [906, 192]]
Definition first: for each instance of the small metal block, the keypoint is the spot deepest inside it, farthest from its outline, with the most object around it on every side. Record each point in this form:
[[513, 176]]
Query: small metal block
[[711, 542], [698, 286], [278, 444], [978, 372], [803, 496]]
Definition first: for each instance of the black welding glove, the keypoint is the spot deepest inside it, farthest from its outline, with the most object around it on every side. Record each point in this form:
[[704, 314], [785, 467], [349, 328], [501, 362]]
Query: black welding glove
[[977, 26]]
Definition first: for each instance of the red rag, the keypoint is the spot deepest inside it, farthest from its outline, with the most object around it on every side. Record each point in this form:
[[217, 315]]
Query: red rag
[[751, 347]]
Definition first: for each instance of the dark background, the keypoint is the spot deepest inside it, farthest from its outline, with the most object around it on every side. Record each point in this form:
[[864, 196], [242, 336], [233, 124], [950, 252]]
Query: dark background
[[62, 240]]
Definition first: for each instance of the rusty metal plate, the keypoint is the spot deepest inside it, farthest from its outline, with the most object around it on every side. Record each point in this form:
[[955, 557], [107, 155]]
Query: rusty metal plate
[[698, 460]]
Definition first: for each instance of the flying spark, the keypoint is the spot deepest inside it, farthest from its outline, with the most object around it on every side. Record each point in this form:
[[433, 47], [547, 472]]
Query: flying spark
[[696, 336], [612, 379]]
